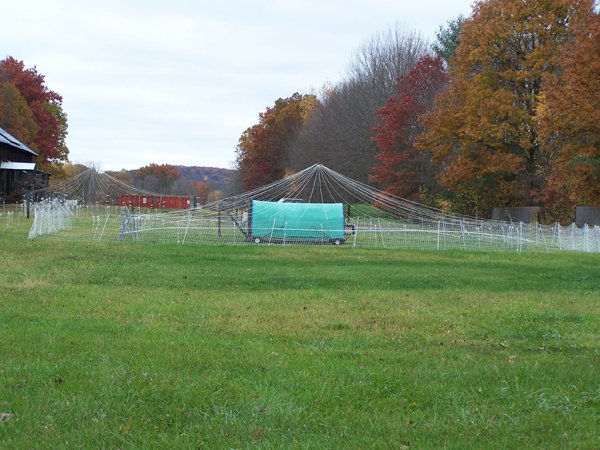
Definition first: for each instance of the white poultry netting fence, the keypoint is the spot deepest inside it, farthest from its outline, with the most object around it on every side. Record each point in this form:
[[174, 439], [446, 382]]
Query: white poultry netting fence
[[315, 207]]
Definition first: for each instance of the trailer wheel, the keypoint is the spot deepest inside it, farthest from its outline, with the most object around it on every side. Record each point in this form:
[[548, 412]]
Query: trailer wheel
[[337, 242], [257, 240]]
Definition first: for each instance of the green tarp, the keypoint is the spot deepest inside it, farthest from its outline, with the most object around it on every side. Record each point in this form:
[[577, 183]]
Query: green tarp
[[313, 222]]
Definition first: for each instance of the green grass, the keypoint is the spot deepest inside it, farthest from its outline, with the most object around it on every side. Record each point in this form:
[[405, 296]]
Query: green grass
[[123, 345]]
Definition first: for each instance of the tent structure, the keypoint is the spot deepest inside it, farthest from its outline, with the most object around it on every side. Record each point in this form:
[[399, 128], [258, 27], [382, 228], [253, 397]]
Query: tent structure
[[314, 206]]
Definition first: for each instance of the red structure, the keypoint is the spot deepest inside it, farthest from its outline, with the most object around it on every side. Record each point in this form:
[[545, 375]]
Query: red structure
[[155, 201]]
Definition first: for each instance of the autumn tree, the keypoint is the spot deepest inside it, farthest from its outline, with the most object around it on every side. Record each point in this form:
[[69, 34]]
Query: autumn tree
[[15, 115], [483, 129], [569, 121], [340, 132], [263, 149], [201, 191], [44, 107], [156, 178], [122, 175], [403, 170], [67, 172]]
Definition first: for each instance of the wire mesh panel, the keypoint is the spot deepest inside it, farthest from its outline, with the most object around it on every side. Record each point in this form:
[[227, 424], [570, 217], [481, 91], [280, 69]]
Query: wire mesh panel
[[208, 227]]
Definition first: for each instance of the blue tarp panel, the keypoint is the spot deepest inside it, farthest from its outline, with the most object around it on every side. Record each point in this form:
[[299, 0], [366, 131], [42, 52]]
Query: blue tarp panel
[[312, 222]]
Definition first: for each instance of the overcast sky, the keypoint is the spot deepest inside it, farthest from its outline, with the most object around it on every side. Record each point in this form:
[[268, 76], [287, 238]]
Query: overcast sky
[[179, 81]]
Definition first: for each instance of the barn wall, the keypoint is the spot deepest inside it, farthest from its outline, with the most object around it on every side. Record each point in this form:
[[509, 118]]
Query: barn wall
[[525, 214], [8, 153], [587, 215]]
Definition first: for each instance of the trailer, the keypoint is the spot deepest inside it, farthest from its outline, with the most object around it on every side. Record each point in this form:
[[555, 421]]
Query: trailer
[[292, 222], [155, 201]]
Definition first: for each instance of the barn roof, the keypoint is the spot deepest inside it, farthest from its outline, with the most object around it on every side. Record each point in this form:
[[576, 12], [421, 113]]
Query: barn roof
[[8, 165], [9, 139]]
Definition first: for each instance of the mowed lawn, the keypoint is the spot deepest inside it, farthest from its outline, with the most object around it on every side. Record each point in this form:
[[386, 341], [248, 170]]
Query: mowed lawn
[[218, 347]]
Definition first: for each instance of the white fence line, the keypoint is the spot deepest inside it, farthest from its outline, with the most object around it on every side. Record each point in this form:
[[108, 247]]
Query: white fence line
[[67, 221]]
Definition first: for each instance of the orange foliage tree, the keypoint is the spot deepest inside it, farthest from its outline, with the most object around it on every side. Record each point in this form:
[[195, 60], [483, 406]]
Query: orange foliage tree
[[15, 115], [483, 130], [201, 191], [261, 151], [569, 121], [157, 178]]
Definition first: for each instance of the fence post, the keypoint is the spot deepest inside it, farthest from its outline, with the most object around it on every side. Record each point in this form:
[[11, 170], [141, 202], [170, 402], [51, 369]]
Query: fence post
[[381, 232], [187, 226], [356, 231], [520, 236]]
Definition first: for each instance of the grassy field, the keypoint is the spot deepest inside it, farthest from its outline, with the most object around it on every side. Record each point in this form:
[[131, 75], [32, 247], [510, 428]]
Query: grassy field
[[125, 346]]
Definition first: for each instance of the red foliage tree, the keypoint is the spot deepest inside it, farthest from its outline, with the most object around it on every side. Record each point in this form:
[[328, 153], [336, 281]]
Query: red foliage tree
[[45, 107], [404, 170]]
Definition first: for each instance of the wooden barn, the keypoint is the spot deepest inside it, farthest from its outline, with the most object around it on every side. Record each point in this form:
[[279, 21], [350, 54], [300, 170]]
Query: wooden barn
[[18, 173]]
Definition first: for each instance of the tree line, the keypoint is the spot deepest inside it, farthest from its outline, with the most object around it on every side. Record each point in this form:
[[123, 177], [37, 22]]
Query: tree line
[[167, 179], [502, 110]]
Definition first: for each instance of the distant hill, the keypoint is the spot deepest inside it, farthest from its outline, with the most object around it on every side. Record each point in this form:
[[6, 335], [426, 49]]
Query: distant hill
[[214, 177], [224, 181]]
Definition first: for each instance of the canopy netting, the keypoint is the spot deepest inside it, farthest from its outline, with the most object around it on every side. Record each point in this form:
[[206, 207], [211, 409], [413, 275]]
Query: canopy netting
[[315, 206], [88, 188]]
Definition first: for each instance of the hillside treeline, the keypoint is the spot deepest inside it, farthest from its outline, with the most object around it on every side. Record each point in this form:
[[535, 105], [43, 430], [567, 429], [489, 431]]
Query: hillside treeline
[[503, 109], [205, 183]]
